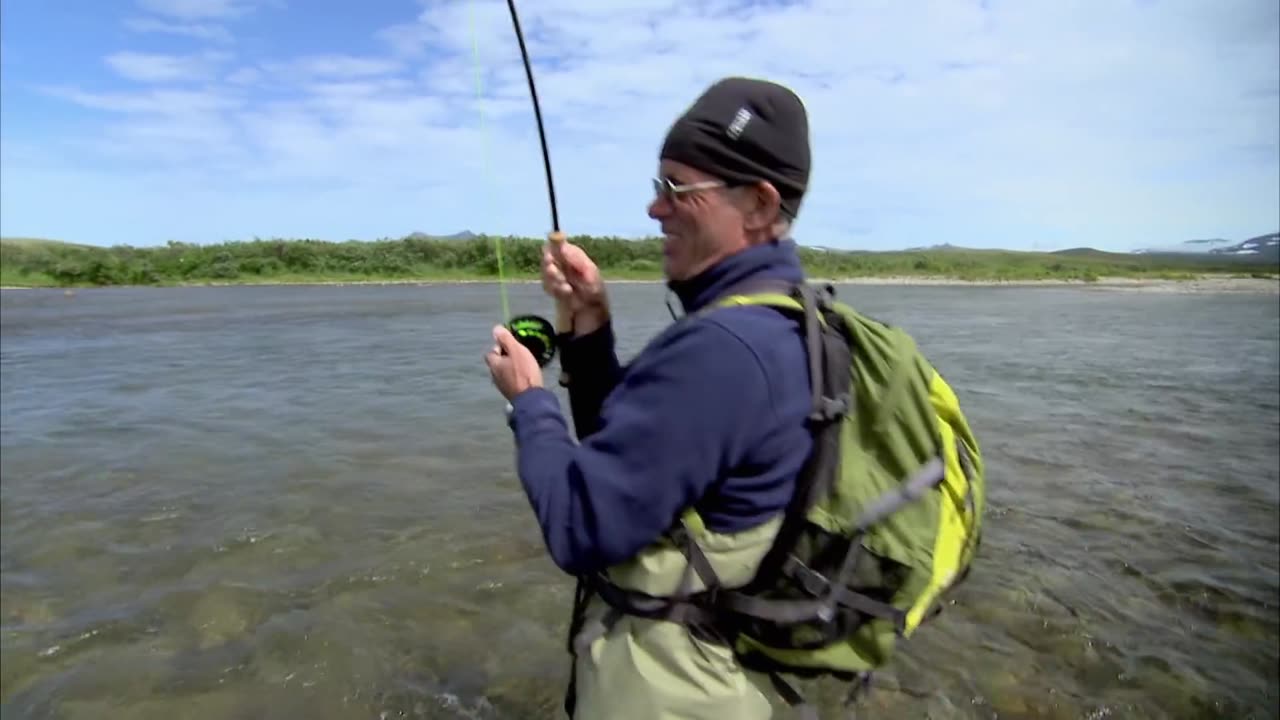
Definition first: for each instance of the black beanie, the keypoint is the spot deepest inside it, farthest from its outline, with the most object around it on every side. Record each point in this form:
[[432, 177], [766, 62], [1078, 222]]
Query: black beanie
[[743, 130]]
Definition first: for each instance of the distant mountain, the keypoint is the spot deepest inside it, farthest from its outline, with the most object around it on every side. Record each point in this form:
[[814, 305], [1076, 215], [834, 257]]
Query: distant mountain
[[1082, 251], [1198, 247], [935, 248], [1250, 253], [464, 235], [1265, 247]]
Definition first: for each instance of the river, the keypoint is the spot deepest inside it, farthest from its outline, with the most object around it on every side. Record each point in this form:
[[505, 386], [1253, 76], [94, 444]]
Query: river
[[245, 502]]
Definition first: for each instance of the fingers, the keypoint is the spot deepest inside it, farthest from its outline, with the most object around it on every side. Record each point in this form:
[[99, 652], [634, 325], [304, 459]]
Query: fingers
[[499, 357], [512, 366], [575, 261], [568, 273], [494, 359], [553, 278], [555, 245], [566, 254], [506, 341], [551, 269], [508, 344]]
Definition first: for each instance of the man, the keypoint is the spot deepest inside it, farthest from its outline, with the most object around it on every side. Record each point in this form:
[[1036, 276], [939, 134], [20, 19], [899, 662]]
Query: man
[[710, 416]]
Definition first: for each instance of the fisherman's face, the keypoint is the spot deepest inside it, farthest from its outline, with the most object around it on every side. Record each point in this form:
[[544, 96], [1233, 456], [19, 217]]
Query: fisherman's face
[[699, 220]]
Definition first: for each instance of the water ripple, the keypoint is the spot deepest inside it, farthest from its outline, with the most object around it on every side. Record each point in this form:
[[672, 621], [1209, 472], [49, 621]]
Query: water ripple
[[284, 502]]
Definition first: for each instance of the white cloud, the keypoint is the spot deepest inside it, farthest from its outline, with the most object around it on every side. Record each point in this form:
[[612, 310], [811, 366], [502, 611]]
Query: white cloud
[[346, 66], [198, 9], [160, 102], [199, 31], [1007, 123], [156, 68], [196, 19]]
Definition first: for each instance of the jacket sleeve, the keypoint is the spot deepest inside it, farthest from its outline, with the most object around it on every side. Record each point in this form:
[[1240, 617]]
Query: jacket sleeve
[[678, 418], [591, 364]]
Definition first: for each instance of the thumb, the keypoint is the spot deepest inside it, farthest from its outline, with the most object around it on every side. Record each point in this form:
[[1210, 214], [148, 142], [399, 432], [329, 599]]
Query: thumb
[[504, 338], [508, 342], [574, 259]]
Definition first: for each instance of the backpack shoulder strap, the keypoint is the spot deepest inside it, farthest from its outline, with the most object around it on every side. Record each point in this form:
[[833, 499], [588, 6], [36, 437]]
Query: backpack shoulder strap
[[813, 307], [831, 395]]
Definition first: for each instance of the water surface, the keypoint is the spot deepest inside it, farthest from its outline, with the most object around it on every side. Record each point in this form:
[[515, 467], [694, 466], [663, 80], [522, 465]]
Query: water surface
[[300, 502]]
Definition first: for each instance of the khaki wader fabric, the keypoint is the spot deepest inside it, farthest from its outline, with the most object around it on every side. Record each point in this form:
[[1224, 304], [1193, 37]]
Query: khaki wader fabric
[[657, 670]]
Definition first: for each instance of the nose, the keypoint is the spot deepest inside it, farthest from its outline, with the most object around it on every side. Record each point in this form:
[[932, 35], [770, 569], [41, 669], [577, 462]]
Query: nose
[[659, 208]]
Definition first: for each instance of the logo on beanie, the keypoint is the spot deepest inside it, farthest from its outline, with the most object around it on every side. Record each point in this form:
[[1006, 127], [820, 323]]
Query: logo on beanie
[[739, 123]]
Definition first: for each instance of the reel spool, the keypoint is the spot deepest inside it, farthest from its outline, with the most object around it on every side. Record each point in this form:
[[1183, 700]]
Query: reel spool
[[537, 334]]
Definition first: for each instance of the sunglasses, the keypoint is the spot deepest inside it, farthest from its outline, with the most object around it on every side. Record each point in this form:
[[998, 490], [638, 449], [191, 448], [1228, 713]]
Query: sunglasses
[[664, 188]]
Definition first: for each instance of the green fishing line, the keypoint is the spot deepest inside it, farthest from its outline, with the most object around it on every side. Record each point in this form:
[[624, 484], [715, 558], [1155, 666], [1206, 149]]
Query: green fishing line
[[534, 332], [484, 150]]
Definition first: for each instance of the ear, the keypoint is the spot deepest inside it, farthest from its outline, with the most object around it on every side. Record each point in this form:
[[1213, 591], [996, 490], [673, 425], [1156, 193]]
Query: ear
[[761, 205]]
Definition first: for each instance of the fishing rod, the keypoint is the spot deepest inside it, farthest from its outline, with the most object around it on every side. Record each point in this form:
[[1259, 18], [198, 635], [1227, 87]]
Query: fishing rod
[[537, 114], [534, 331]]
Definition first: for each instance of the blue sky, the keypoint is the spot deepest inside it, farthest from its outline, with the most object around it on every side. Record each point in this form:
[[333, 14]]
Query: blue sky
[[993, 123]]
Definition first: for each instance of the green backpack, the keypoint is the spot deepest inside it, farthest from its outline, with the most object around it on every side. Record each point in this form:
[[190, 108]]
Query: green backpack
[[887, 513], [886, 516]]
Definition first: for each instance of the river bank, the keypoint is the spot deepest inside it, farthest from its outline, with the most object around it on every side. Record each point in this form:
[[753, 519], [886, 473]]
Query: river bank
[[1190, 284], [1196, 284]]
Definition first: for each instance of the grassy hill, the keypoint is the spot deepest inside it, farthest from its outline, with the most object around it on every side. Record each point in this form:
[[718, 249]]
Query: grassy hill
[[36, 243], [36, 262]]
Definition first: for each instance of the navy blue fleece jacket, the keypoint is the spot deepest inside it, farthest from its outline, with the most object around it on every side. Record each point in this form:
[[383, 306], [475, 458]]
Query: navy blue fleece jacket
[[711, 413]]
